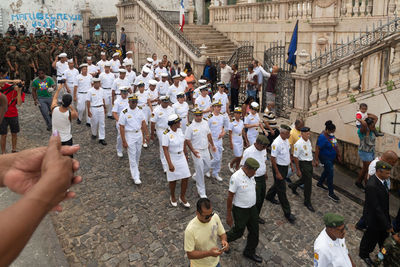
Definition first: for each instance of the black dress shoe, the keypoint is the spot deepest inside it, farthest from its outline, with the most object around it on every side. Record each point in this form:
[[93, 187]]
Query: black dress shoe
[[103, 142], [78, 121], [273, 201], [290, 218], [368, 261], [253, 257], [291, 186], [261, 221], [94, 137], [309, 207], [88, 124]]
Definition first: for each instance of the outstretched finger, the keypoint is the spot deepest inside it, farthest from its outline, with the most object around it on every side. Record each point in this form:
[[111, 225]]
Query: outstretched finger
[[69, 150], [55, 142]]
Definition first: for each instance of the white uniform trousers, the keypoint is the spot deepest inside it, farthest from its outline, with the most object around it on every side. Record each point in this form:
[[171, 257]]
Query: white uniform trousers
[[108, 101], [82, 107], [201, 166], [146, 113], [160, 133], [119, 140], [184, 122], [134, 140], [97, 124], [217, 157]]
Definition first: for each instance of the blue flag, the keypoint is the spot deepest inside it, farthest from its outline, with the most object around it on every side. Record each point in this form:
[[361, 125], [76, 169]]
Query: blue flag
[[293, 47]]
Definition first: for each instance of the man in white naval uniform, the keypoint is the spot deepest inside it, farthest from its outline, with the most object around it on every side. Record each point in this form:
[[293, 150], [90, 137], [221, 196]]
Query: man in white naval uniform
[[102, 63], [83, 82], [159, 123], [107, 80], [132, 125], [120, 104], [96, 111], [118, 83], [115, 64], [198, 136], [70, 75], [163, 85]]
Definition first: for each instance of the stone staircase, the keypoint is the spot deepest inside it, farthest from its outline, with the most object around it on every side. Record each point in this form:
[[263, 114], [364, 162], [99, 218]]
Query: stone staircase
[[218, 46]]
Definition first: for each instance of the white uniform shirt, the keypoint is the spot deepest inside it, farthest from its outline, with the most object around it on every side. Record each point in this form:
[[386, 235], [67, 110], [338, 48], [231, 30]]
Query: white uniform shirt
[[119, 105], [128, 60], [107, 80], [172, 92], [181, 110], [252, 119], [224, 101], [159, 71], [70, 77], [216, 123], [303, 150], [260, 156], [95, 97], [101, 64], [330, 253], [183, 85], [131, 76], [153, 95], [173, 140], [197, 133], [146, 80], [160, 116], [61, 68], [142, 98], [280, 149], [226, 74], [84, 83], [203, 103], [163, 87], [118, 83], [196, 93], [237, 129], [115, 64], [132, 119], [93, 69], [244, 189]]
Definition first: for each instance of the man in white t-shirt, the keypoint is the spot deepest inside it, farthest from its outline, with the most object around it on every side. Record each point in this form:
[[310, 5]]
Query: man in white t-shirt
[[226, 74]]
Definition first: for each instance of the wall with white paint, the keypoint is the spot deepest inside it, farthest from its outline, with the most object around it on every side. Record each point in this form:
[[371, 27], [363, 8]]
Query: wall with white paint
[[64, 15]]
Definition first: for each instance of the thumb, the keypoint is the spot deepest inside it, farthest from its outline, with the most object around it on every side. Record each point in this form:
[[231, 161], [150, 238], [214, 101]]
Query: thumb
[[54, 142]]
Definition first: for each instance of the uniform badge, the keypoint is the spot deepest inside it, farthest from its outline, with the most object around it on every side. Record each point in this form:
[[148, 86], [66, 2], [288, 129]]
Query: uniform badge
[[160, 114], [306, 154], [295, 149], [125, 111], [129, 116], [232, 181], [305, 147], [214, 123], [202, 103], [316, 256], [93, 94], [273, 147], [152, 115], [171, 136], [195, 130]]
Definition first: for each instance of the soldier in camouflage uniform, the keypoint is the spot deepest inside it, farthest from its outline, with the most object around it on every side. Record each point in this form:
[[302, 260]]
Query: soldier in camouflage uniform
[[43, 59], [11, 58], [389, 255], [24, 64], [3, 51], [70, 49], [80, 54]]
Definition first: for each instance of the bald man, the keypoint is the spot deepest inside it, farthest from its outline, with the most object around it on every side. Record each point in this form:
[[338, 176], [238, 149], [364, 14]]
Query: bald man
[[391, 158]]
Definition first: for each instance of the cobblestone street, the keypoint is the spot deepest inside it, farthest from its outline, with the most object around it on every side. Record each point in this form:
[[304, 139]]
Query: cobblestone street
[[113, 222]]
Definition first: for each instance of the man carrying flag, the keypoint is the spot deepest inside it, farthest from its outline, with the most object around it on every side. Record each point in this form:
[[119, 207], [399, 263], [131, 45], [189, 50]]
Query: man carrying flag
[[293, 47], [182, 16]]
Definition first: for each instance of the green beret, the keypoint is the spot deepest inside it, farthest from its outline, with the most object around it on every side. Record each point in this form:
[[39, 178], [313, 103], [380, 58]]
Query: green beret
[[262, 140], [333, 220], [381, 165], [252, 163], [285, 127]]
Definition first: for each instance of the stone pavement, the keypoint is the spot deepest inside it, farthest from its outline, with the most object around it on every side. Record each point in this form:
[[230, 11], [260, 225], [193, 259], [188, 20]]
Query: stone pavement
[[112, 222]]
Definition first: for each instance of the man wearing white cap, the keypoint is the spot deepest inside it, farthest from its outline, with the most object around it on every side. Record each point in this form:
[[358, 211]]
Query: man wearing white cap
[[143, 96], [183, 83], [174, 89], [181, 108], [203, 102], [132, 126], [70, 75], [103, 61], [163, 85], [160, 70], [120, 104], [130, 74], [92, 69], [82, 85], [252, 122], [128, 59], [218, 123], [153, 97], [60, 64], [115, 64], [156, 61], [159, 123], [96, 111], [118, 83], [196, 92], [144, 77], [107, 80], [221, 96]]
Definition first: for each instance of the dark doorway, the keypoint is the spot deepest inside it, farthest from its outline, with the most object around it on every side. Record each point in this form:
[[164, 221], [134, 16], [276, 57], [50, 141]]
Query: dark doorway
[[207, 4]]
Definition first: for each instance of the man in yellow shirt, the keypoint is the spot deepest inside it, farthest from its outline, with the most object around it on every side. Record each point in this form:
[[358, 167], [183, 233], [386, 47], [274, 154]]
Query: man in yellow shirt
[[201, 236], [295, 135]]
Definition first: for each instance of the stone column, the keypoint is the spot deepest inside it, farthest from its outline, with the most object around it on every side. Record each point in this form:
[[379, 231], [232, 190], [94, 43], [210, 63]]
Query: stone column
[[323, 90], [86, 12], [343, 81], [349, 8], [354, 76], [302, 83], [394, 67], [211, 9], [332, 86], [191, 12], [314, 93]]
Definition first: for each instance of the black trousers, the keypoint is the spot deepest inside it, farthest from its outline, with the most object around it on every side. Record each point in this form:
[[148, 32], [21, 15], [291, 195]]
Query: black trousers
[[234, 98], [261, 190], [306, 169], [68, 143], [245, 218], [369, 240], [279, 187]]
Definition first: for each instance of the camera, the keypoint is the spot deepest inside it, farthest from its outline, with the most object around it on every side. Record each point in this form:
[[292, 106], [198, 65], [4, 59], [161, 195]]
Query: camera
[[19, 85], [61, 81]]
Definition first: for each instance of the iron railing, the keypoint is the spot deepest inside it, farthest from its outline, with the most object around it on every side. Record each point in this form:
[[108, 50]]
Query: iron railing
[[173, 29], [333, 54]]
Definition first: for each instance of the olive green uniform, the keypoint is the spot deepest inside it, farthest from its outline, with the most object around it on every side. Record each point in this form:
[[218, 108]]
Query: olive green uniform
[[43, 60], [24, 61], [80, 54], [12, 58]]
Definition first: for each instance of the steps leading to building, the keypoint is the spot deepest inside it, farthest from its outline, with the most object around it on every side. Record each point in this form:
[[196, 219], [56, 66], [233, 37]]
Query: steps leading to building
[[217, 44]]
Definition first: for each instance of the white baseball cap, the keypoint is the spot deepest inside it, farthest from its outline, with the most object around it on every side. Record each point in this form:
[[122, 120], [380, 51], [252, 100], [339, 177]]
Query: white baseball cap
[[153, 82], [62, 55], [122, 70], [116, 54]]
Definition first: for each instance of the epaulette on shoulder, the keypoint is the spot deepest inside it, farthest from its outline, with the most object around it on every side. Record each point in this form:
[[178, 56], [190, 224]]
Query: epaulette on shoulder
[[140, 107], [209, 116], [125, 111], [205, 119], [166, 131], [188, 124]]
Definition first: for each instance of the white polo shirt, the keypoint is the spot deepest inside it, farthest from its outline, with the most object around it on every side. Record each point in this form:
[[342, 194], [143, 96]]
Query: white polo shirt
[[303, 150], [197, 133], [280, 150], [260, 156], [244, 189], [330, 253], [107, 80]]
